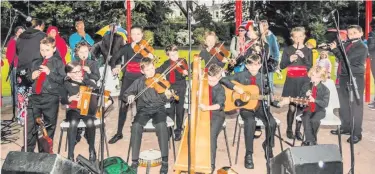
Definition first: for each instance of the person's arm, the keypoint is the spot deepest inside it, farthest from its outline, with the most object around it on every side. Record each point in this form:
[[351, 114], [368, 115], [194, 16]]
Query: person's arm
[[220, 98], [95, 74], [64, 94], [285, 59], [306, 87], [57, 74], [227, 81], [371, 41], [162, 68], [307, 60], [132, 90], [274, 47], [89, 39], [11, 51], [63, 50], [323, 99], [233, 50], [116, 58]]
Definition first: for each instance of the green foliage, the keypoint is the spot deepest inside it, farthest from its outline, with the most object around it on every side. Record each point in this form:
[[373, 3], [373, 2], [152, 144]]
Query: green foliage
[[149, 36], [223, 31], [318, 29], [164, 36], [182, 37], [198, 35], [204, 17]]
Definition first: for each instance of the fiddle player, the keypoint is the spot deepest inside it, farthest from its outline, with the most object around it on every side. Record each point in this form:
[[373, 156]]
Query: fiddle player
[[357, 52], [150, 105], [178, 83], [216, 107], [131, 72], [47, 76], [252, 76], [209, 44], [70, 96]]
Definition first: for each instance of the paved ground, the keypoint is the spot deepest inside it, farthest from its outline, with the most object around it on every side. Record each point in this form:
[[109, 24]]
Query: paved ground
[[364, 151]]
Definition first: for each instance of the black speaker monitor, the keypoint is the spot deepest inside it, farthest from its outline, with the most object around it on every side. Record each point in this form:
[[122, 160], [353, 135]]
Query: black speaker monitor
[[319, 159]]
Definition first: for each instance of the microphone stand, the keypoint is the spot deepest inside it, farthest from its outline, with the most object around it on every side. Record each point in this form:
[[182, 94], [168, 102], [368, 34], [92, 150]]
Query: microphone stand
[[11, 64], [353, 88], [102, 103], [189, 86], [265, 104]]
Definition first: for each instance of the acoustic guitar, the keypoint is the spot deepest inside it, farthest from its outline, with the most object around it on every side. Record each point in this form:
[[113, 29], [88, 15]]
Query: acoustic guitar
[[249, 99], [44, 139]]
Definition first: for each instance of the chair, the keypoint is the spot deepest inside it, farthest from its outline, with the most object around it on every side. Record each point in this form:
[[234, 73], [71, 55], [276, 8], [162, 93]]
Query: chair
[[258, 123], [330, 119], [64, 125], [149, 127]]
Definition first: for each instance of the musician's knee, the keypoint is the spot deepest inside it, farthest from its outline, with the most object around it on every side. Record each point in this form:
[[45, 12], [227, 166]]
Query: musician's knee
[[136, 127]]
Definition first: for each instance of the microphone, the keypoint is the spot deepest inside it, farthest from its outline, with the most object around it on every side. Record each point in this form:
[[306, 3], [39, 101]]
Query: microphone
[[256, 20], [329, 15], [28, 18]]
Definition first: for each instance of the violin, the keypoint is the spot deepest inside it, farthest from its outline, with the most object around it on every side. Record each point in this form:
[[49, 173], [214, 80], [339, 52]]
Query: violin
[[160, 84], [180, 66], [143, 48], [219, 51]]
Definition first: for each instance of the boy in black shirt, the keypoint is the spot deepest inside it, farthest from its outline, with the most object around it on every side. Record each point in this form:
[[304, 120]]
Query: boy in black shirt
[[357, 52], [47, 74], [252, 77], [177, 79], [318, 95], [150, 105], [216, 107]]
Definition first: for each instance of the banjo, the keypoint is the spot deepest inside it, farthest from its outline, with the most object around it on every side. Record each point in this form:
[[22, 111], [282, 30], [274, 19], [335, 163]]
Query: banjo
[[150, 158]]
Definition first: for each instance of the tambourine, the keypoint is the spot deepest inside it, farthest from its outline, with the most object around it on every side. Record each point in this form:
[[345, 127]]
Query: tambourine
[[226, 170], [150, 158]]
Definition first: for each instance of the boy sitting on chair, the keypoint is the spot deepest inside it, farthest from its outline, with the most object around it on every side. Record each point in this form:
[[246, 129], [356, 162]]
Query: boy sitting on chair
[[318, 95], [252, 77], [216, 107], [150, 105]]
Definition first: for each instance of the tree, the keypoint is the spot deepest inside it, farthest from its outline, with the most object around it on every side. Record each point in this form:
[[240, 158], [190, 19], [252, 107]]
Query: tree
[[203, 16]]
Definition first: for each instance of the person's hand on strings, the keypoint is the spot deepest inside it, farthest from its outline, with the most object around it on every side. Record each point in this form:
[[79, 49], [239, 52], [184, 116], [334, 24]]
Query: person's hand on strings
[[131, 99], [238, 89]]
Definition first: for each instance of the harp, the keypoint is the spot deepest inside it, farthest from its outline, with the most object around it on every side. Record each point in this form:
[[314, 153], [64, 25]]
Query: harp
[[200, 127]]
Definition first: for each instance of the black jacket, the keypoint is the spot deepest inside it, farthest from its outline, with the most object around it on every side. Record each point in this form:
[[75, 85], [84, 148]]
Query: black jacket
[[53, 83], [357, 54], [28, 47], [128, 52], [95, 74], [288, 51], [371, 44], [180, 79], [322, 95], [69, 89], [102, 47]]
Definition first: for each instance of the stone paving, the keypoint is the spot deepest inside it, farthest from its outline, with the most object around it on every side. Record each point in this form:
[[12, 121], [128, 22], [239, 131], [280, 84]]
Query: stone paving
[[364, 151]]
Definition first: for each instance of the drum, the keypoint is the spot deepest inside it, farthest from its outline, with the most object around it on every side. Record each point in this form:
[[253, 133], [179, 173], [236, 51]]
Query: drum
[[150, 158]]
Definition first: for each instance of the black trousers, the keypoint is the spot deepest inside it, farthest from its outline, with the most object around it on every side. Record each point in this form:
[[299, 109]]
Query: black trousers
[[373, 69], [177, 110], [158, 117], [46, 106], [74, 117], [126, 82], [311, 123], [356, 106], [216, 127], [250, 124]]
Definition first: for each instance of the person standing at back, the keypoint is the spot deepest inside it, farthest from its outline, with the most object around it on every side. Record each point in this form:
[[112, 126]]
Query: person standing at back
[[79, 36], [27, 48]]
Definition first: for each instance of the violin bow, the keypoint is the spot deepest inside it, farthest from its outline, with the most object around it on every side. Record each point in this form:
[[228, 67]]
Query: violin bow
[[167, 71], [209, 60]]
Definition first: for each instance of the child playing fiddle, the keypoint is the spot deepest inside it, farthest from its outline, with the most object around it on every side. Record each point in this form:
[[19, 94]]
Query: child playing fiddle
[[210, 56], [251, 76], [90, 69], [70, 96], [297, 59], [177, 79], [318, 95], [150, 105], [131, 72], [217, 96], [47, 74]]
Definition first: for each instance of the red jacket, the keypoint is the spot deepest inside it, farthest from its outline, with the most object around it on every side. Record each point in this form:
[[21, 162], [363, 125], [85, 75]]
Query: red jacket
[[11, 52]]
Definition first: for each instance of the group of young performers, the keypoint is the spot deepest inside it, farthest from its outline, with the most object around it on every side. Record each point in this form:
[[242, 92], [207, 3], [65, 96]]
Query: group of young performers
[[302, 80]]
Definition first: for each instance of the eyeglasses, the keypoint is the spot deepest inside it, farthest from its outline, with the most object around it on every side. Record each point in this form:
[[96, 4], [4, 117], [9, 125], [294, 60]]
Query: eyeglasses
[[241, 30], [76, 72]]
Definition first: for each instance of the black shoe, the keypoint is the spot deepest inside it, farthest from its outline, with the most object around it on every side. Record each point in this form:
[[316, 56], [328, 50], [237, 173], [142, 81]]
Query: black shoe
[[270, 153], [164, 167], [356, 139], [249, 164], [289, 134], [334, 132], [115, 138], [134, 166], [92, 156], [308, 143], [177, 135], [298, 136]]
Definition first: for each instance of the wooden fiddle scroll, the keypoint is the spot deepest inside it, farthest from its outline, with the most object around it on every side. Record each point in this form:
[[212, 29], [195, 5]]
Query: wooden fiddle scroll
[[200, 121]]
